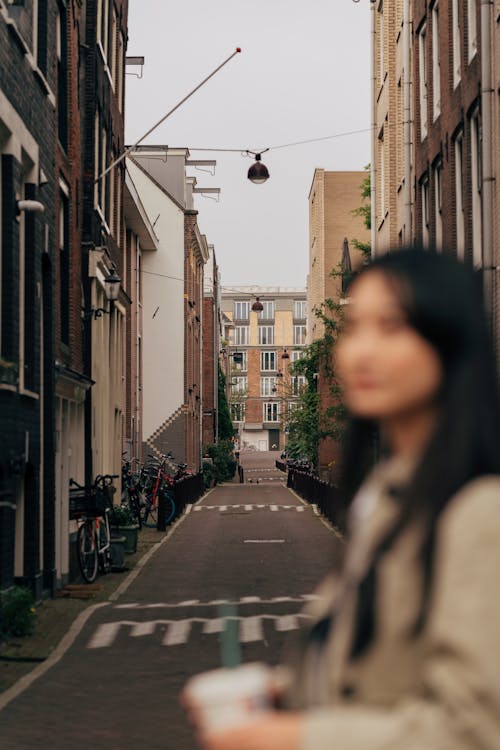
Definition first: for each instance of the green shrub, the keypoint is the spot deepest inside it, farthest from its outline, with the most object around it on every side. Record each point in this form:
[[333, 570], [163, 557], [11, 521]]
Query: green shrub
[[224, 462], [17, 612], [121, 515], [208, 471]]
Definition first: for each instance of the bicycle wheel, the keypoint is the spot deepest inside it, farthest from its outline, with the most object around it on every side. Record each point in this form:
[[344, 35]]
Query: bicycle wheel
[[134, 504], [104, 547], [150, 517], [168, 497], [86, 545]]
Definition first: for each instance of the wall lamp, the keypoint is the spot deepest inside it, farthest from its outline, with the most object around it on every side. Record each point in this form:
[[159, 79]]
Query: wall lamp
[[111, 290]]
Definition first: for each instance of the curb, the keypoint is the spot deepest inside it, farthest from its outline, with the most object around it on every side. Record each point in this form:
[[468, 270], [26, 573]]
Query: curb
[[24, 682]]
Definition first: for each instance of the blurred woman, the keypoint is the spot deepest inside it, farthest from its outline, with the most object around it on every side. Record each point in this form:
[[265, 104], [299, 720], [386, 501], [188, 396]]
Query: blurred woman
[[402, 650]]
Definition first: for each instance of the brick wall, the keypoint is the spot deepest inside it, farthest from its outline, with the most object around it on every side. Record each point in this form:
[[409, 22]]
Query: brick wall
[[456, 106]]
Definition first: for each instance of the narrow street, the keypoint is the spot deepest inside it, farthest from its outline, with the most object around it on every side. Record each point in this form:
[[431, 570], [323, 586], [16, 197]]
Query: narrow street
[[254, 545]]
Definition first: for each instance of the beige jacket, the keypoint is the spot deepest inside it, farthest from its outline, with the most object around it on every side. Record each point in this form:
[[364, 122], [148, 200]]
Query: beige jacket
[[440, 691]]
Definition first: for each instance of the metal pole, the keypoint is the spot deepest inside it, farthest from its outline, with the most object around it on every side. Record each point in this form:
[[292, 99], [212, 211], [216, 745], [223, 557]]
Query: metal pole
[[148, 132]]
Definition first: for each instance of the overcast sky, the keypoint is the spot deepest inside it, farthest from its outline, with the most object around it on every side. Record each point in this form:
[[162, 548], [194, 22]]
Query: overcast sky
[[304, 73]]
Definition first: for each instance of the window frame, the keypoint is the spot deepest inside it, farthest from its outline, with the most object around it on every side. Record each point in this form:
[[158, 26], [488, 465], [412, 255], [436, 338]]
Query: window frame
[[245, 304], [266, 335], [270, 408], [271, 355], [237, 335], [303, 334]]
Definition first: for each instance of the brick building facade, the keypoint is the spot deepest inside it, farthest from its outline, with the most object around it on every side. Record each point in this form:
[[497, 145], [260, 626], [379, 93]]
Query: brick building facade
[[211, 346], [260, 348], [103, 237], [447, 127], [28, 86]]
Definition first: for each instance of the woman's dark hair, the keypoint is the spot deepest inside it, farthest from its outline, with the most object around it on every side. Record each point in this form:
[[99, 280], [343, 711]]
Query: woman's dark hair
[[442, 299]]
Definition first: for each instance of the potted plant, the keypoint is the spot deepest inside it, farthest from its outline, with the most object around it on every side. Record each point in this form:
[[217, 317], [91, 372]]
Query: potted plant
[[123, 522]]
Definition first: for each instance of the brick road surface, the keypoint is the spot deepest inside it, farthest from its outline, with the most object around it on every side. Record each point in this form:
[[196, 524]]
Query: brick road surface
[[117, 687]]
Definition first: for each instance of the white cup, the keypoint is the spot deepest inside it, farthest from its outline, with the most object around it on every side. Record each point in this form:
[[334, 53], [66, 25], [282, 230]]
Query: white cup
[[225, 698]]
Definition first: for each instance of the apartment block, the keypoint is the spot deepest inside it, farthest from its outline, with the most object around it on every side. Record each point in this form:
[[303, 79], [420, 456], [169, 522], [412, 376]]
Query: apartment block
[[448, 127], [28, 184], [261, 345], [332, 199], [211, 348], [392, 163]]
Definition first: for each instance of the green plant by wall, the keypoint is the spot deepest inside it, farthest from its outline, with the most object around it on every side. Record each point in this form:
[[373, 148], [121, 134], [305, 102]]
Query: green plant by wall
[[121, 515], [225, 425], [223, 466], [17, 612]]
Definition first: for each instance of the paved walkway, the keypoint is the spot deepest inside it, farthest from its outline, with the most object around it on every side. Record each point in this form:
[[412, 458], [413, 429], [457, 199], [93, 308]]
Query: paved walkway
[[253, 553]]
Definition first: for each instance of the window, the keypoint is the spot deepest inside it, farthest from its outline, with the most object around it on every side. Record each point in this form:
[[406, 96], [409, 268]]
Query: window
[[112, 55], [267, 386], [28, 376], [457, 46], [241, 335], [62, 77], [266, 335], [296, 355], [299, 335], [436, 64], [422, 81], [268, 361], [120, 70], [239, 385], [472, 27], [103, 26], [270, 411], [237, 411], [41, 35], [475, 145], [438, 205], [241, 310], [297, 384], [424, 194], [381, 174], [243, 365], [268, 312], [64, 260], [300, 309], [459, 196]]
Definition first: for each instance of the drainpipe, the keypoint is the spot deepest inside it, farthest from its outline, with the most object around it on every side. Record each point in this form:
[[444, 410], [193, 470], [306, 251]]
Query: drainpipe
[[487, 154], [407, 130], [373, 171], [138, 415]]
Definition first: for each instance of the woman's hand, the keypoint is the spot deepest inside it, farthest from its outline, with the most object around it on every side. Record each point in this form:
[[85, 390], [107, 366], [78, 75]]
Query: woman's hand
[[275, 730]]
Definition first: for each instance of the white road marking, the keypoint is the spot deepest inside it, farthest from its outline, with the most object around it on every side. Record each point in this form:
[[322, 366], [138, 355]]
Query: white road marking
[[197, 508], [222, 508], [217, 602], [177, 633], [143, 628], [251, 629], [189, 603], [287, 622], [273, 507], [105, 634], [214, 626], [248, 507], [263, 541]]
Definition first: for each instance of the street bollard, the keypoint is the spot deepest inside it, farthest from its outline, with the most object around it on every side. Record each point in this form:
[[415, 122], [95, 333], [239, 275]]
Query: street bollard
[[161, 523]]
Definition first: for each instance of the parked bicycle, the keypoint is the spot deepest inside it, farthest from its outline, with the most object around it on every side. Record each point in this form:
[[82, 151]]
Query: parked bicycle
[[159, 484], [91, 505], [133, 493]]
